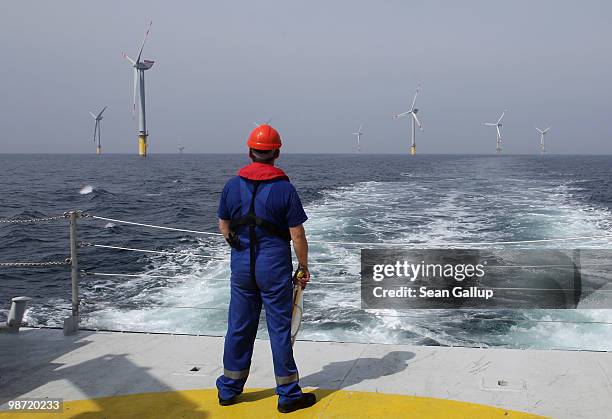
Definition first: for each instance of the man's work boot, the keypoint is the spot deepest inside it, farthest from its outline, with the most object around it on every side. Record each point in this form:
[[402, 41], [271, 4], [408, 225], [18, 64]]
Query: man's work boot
[[227, 402], [307, 400]]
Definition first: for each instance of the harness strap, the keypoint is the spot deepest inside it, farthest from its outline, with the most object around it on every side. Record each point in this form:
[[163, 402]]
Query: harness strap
[[249, 217], [252, 233], [271, 228]]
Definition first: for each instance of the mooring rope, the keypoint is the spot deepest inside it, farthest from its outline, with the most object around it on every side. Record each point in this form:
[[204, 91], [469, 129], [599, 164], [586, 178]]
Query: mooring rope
[[159, 252], [183, 230], [364, 244], [166, 253], [146, 275], [463, 243]]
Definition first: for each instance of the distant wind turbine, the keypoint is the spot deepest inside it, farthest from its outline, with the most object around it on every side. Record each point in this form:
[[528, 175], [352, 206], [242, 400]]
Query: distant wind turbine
[[180, 149], [139, 81], [359, 134], [265, 123], [497, 125], [97, 132], [542, 133], [415, 121]]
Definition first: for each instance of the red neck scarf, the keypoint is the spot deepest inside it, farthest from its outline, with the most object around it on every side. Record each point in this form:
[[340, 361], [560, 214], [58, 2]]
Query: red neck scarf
[[261, 171]]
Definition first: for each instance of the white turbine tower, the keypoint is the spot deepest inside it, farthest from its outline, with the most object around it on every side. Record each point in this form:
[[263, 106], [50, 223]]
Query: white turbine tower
[[497, 125], [139, 81], [415, 121], [542, 133], [359, 134], [98, 118]]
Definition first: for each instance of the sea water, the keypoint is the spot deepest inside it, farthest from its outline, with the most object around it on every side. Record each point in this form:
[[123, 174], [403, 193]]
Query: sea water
[[421, 202]]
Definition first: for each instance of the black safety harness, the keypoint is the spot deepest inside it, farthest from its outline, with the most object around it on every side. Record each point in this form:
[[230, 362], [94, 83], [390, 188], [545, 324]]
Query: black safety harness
[[252, 221]]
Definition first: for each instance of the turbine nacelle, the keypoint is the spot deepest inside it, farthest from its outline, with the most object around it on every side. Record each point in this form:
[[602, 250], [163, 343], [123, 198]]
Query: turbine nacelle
[[543, 131], [139, 65], [99, 116], [497, 124], [144, 64]]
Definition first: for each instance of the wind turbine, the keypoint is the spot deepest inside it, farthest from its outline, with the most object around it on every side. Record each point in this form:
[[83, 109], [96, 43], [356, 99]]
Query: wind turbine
[[265, 123], [139, 81], [180, 149], [497, 125], [542, 133], [98, 118], [359, 134], [415, 121]]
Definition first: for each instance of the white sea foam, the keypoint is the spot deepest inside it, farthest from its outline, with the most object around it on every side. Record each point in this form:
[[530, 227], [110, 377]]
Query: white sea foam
[[417, 212], [87, 189]]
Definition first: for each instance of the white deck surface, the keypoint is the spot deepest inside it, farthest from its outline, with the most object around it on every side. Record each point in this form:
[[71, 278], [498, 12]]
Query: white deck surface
[[561, 384]]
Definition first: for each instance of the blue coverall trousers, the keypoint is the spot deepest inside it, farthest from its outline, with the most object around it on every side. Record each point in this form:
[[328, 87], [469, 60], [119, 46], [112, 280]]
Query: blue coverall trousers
[[272, 286]]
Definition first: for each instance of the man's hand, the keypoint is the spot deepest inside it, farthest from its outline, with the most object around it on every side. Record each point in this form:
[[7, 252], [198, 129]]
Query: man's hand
[[224, 227], [300, 245], [304, 279]]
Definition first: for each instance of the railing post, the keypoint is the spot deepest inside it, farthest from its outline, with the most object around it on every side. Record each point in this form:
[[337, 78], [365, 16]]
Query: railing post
[[71, 324], [18, 308]]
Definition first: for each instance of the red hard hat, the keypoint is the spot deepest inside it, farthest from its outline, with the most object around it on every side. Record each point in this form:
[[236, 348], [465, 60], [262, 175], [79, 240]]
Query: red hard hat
[[264, 137]]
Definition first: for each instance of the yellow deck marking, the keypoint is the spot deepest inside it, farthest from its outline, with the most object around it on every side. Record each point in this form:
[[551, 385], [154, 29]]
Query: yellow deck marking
[[261, 403]]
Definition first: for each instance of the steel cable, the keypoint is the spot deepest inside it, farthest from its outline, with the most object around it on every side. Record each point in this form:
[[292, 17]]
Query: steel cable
[[33, 220], [66, 261], [360, 243]]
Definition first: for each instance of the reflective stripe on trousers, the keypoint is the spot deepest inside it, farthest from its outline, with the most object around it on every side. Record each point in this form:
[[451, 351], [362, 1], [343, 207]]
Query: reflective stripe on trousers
[[236, 375], [286, 380]]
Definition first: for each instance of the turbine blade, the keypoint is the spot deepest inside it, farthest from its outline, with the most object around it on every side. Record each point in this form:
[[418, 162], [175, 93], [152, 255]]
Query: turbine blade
[[135, 92], [144, 41], [399, 115], [417, 121], [415, 96], [502, 116], [539, 130], [95, 131], [101, 112], [92, 115], [547, 129], [360, 127], [498, 132], [489, 124], [127, 57]]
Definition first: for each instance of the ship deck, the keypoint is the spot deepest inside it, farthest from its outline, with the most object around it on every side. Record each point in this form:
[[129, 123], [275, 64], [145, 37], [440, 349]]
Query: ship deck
[[115, 374]]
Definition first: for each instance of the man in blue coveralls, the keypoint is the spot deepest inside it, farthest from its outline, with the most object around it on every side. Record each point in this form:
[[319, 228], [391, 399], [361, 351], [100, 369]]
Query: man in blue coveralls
[[260, 213]]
